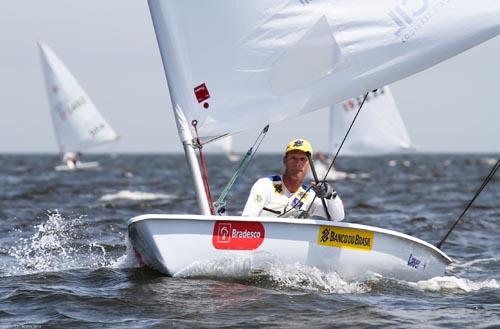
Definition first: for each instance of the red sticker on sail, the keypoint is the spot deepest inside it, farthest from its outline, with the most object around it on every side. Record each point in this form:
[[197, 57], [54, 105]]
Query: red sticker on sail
[[201, 93], [235, 235]]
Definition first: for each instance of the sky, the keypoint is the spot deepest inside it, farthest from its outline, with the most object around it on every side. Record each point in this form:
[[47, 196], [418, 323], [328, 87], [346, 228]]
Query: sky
[[110, 47]]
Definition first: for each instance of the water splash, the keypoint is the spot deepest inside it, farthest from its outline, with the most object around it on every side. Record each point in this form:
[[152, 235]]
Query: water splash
[[129, 260], [312, 279], [135, 196], [451, 283], [265, 269], [56, 244]]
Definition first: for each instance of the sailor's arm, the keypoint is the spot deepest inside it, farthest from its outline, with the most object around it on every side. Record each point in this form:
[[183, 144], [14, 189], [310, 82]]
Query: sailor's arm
[[333, 202], [335, 208], [258, 198]]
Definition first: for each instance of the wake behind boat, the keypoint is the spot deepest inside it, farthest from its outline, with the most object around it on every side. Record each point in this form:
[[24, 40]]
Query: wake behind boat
[[78, 125], [279, 59]]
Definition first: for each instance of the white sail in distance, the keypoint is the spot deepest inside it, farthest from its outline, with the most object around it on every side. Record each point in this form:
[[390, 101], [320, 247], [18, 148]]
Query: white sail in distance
[[378, 129], [77, 122], [222, 145], [233, 65]]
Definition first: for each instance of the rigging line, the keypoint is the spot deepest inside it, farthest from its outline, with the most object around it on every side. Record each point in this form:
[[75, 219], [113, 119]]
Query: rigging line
[[213, 139], [345, 137], [297, 203], [316, 180], [221, 201], [203, 165], [335, 158], [481, 188]]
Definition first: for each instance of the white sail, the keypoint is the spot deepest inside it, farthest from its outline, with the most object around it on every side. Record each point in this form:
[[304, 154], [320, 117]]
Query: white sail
[[235, 65], [77, 122], [378, 129]]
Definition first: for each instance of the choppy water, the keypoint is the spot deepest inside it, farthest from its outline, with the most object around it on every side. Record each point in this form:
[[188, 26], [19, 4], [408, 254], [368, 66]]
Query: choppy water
[[65, 260]]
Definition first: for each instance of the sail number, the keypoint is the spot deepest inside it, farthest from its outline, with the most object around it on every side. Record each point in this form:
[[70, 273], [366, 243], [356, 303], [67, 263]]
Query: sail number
[[66, 110], [96, 129]]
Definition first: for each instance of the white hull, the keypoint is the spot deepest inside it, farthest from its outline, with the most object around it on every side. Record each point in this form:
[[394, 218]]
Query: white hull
[[186, 244], [234, 157], [80, 166]]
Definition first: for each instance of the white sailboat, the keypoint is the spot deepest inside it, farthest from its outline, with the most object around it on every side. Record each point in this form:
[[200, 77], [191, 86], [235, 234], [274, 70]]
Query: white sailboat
[[379, 129], [267, 60], [223, 145], [78, 125]]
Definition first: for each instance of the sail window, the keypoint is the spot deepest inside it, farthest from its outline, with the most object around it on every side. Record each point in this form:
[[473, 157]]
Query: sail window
[[313, 57]]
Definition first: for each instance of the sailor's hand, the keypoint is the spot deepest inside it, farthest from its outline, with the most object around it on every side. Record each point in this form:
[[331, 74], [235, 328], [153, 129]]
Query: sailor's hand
[[323, 190]]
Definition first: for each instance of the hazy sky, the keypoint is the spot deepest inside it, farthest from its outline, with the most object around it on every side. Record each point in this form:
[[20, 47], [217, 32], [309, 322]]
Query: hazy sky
[[110, 47]]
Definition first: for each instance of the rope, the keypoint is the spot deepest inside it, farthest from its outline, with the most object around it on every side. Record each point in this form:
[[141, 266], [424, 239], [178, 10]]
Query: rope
[[336, 155], [345, 137], [298, 203], [481, 188], [316, 180], [220, 204], [203, 166]]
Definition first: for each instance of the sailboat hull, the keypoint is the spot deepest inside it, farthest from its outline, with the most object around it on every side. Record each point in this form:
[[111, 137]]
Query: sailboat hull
[[179, 245], [80, 166]]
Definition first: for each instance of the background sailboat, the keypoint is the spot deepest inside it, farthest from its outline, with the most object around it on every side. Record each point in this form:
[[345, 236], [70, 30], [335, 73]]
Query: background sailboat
[[78, 125], [223, 146], [379, 129], [269, 60]]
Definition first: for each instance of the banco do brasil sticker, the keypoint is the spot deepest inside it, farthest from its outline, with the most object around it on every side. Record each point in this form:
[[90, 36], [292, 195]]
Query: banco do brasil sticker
[[343, 237]]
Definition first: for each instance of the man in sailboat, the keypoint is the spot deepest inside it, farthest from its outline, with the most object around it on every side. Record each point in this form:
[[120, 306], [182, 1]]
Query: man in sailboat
[[72, 159], [286, 195]]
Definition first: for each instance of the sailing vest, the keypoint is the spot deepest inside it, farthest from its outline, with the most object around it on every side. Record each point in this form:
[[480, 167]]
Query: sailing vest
[[283, 201]]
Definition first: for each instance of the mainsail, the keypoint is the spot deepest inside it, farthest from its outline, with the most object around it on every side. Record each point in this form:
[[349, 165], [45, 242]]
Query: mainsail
[[235, 65], [378, 128], [77, 122]]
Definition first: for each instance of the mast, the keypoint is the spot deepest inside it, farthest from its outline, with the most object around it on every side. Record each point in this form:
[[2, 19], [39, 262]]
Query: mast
[[174, 76]]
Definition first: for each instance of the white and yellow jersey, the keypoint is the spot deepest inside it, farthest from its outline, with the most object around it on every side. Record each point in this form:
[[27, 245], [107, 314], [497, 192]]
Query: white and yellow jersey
[[269, 197]]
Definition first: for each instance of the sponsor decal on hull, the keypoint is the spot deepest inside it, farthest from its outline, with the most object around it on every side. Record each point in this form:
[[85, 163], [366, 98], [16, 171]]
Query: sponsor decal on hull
[[349, 238], [415, 262], [235, 235]]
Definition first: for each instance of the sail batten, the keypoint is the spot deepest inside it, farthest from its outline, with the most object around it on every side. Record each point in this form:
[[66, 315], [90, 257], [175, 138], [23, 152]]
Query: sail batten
[[77, 122], [237, 67]]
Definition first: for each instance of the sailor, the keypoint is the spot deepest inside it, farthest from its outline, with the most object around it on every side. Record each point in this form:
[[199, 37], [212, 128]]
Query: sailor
[[321, 163], [72, 159], [286, 195]]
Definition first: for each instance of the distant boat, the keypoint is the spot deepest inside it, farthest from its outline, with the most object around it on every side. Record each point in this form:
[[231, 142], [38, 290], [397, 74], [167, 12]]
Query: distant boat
[[223, 145], [78, 125], [379, 128]]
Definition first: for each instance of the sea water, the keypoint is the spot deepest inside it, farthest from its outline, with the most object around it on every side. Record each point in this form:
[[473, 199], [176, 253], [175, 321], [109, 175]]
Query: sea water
[[66, 260]]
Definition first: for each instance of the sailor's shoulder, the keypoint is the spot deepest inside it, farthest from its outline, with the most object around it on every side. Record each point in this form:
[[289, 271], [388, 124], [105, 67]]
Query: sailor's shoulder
[[274, 178], [265, 181]]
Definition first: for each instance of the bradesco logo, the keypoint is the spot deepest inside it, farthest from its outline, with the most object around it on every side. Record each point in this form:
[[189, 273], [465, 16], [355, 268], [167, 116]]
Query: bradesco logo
[[235, 235]]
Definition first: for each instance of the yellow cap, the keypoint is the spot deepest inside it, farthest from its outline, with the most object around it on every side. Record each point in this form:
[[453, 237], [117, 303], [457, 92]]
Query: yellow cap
[[299, 145]]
